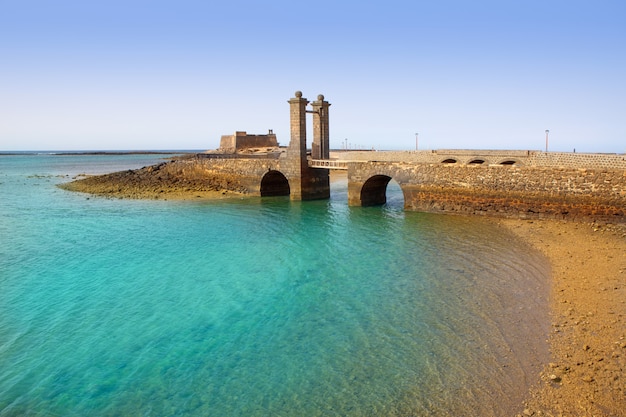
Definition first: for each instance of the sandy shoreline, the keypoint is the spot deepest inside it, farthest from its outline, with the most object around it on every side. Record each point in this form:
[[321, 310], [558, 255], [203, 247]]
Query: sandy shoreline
[[588, 314]]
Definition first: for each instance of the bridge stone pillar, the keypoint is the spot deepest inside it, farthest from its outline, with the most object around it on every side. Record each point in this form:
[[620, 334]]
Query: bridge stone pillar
[[321, 132], [297, 113], [305, 183]]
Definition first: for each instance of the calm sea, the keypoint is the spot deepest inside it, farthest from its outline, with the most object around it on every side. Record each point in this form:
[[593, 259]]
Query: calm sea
[[256, 306]]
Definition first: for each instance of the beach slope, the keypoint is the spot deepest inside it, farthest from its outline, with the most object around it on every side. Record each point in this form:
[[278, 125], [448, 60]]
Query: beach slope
[[588, 306]]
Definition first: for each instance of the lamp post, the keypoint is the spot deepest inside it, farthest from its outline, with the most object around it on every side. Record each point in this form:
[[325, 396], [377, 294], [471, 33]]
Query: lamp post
[[416, 142], [547, 132]]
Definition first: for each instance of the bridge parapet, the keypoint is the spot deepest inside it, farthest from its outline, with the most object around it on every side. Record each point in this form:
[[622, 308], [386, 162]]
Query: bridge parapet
[[495, 157], [328, 164]]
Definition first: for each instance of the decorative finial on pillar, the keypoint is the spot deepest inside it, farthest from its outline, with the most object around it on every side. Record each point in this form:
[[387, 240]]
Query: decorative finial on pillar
[[299, 94], [320, 97]]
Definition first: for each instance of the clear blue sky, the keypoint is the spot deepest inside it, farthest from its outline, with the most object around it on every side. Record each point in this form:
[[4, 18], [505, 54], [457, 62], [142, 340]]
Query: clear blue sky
[[112, 74]]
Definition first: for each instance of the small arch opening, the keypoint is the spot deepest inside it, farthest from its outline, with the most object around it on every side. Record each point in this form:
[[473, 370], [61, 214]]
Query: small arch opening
[[449, 161], [378, 191], [477, 161], [273, 184], [507, 162], [394, 196]]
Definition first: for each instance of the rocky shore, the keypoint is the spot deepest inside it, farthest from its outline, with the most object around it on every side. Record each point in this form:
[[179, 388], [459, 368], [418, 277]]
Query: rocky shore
[[162, 181]]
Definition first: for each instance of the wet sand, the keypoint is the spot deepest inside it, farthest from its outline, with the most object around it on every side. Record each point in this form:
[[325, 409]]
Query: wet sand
[[588, 313], [587, 372]]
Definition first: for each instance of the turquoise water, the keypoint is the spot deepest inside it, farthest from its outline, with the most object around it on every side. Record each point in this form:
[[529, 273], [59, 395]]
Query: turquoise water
[[255, 307]]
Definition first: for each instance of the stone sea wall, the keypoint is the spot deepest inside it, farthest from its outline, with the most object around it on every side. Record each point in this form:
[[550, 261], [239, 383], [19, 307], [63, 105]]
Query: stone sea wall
[[246, 173], [240, 174]]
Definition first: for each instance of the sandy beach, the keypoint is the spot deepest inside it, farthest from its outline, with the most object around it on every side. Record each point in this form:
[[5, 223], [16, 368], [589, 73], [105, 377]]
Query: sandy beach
[[588, 314]]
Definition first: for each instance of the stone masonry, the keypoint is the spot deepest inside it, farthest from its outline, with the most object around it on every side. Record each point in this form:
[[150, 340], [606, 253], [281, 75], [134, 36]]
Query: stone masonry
[[321, 133], [242, 140], [306, 183], [503, 190], [492, 157]]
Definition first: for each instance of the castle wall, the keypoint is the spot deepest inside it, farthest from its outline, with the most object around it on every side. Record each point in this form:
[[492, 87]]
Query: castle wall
[[242, 140]]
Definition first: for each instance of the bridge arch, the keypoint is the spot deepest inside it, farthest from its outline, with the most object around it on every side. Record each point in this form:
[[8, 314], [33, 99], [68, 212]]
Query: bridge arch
[[274, 183], [509, 162], [449, 161], [374, 190]]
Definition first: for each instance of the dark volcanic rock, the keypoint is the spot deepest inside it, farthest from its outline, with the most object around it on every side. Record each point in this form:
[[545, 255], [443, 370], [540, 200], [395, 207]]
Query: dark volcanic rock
[[156, 181]]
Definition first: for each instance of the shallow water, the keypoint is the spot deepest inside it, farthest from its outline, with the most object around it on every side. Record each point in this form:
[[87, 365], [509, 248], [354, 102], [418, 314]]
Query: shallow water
[[257, 306]]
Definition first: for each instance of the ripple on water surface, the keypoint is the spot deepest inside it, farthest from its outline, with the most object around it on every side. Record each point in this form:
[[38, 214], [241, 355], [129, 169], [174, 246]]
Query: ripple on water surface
[[261, 307]]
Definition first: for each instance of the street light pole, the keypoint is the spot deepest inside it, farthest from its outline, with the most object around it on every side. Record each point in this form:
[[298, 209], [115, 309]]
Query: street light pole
[[547, 132], [416, 142]]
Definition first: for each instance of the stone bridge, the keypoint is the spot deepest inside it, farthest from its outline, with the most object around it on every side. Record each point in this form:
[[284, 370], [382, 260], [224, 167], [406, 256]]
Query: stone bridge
[[507, 183], [500, 190], [483, 182]]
